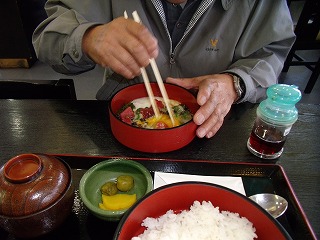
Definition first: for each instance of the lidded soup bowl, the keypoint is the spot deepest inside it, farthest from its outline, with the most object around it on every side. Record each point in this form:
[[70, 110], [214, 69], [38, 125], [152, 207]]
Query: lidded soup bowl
[[36, 194]]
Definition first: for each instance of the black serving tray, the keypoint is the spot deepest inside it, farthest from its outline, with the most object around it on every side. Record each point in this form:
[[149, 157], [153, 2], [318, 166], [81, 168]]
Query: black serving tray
[[257, 178]]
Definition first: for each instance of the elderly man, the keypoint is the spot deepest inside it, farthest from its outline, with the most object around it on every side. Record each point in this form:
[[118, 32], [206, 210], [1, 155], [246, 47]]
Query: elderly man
[[230, 51]]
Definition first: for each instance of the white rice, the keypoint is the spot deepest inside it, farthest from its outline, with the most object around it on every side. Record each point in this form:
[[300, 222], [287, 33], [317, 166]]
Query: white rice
[[201, 222]]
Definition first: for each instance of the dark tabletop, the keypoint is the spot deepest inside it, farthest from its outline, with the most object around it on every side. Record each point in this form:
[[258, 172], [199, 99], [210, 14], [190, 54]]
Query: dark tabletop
[[82, 128]]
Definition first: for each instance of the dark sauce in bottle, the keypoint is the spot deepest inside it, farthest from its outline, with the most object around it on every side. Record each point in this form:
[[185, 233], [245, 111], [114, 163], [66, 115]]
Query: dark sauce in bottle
[[266, 141]]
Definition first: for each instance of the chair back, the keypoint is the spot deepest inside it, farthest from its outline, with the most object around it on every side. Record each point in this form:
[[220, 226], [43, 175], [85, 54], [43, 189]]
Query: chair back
[[308, 25], [307, 31]]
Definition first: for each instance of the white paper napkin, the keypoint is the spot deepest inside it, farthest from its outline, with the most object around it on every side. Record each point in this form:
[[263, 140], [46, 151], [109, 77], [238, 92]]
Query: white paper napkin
[[234, 183]]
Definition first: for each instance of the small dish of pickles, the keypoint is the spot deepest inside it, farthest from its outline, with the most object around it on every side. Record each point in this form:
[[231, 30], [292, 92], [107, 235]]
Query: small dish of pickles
[[111, 187]]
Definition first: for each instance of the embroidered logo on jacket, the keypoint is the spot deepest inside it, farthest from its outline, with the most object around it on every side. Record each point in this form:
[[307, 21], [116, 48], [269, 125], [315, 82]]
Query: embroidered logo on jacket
[[213, 45], [214, 42]]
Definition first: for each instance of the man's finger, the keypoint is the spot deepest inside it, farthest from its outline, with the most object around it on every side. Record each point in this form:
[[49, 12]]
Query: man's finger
[[187, 83]]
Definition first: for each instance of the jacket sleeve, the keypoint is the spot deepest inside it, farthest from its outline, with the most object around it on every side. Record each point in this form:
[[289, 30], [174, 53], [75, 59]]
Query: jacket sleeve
[[263, 47], [58, 39]]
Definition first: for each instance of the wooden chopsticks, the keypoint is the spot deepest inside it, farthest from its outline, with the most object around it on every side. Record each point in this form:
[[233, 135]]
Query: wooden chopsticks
[[158, 78]]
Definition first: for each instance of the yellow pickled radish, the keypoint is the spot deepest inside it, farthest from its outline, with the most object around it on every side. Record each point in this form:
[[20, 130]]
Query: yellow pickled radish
[[102, 206], [118, 201]]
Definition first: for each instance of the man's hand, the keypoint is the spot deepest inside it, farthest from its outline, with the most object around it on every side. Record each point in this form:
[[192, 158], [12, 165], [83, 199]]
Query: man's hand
[[123, 45], [216, 95]]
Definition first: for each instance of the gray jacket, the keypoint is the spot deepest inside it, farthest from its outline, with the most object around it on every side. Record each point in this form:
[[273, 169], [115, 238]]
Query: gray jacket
[[250, 38]]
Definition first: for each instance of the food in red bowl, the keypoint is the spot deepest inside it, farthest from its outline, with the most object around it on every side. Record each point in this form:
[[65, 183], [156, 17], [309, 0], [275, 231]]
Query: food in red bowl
[[231, 212], [152, 135]]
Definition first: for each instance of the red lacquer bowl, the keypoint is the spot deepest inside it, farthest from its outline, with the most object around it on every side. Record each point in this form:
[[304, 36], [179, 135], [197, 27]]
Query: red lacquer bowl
[[36, 194], [152, 140], [180, 196]]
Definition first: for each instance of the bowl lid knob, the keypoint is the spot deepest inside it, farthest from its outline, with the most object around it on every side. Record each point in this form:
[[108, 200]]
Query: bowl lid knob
[[23, 168]]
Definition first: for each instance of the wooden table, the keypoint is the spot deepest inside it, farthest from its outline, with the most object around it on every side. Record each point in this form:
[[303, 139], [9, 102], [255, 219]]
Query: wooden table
[[82, 128]]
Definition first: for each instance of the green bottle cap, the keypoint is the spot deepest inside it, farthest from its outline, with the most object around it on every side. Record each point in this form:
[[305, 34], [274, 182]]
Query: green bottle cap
[[279, 107], [284, 94]]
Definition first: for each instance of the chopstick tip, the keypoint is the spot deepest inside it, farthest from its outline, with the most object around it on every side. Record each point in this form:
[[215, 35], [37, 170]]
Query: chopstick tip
[[125, 14]]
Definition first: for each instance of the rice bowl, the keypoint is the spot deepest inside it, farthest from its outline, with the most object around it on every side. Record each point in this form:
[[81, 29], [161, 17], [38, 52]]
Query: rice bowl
[[178, 197]]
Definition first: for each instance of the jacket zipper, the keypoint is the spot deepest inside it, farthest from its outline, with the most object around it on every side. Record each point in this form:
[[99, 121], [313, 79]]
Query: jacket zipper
[[172, 51]]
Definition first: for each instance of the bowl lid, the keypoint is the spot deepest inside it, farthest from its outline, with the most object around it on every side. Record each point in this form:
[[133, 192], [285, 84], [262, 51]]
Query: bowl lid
[[30, 183]]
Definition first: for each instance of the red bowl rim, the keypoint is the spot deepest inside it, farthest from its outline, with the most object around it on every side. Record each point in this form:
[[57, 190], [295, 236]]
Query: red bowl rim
[[272, 219]]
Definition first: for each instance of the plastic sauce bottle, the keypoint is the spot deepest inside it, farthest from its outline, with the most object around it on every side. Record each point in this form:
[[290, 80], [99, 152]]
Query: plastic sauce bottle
[[275, 117]]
